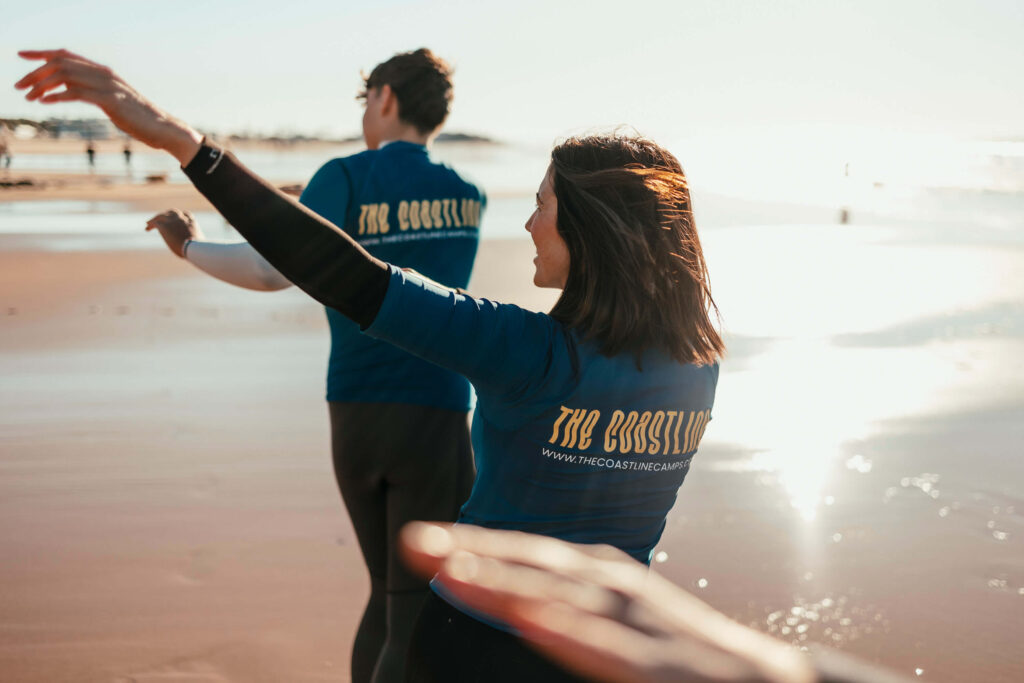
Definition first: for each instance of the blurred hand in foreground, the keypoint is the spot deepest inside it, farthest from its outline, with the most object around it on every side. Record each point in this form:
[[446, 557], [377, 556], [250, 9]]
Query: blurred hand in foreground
[[176, 227], [595, 610], [86, 81]]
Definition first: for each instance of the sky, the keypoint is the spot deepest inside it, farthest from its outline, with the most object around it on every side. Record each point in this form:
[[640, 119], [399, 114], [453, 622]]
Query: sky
[[535, 71]]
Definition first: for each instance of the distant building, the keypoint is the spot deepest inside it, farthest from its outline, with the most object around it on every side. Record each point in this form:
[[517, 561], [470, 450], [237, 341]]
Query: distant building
[[85, 129], [22, 129]]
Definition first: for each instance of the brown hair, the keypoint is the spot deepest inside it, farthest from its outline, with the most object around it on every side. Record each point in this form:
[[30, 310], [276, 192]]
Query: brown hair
[[637, 275], [422, 83]]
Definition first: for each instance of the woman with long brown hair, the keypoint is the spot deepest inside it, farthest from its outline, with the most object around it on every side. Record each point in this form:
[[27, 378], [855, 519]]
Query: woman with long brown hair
[[587, 418]]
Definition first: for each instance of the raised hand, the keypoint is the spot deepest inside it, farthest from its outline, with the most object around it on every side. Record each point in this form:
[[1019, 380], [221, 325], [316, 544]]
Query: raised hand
[[176, 227], [596, 611], [86, 81]]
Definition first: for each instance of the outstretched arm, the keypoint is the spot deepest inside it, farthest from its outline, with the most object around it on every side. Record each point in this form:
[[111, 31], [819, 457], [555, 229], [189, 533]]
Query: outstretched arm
[[312, 253], [236, 263]]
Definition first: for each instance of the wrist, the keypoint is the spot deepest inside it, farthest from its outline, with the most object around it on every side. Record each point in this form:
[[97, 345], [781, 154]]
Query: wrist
[[184, 143]]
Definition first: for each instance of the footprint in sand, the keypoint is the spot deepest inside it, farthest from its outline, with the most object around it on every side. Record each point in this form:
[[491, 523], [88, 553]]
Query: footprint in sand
[[202, 565]]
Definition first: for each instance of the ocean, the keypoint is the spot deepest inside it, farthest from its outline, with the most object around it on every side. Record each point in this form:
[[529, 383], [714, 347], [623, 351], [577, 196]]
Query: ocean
[[952, 191]]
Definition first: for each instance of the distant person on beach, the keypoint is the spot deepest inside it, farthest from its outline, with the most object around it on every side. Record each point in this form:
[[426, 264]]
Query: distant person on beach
[[587, 418], [127, 152], [5, 147], [604, 617], [399, 425], [90, 153]]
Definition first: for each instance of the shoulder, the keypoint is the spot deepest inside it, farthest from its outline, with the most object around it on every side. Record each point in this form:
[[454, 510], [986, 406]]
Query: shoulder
[[443, 171], [359, 157], [468, 184], [352, 162], [328, 187], [334, 168]]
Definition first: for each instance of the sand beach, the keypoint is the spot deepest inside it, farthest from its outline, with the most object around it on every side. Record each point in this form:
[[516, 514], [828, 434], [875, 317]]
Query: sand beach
[[168, 511]]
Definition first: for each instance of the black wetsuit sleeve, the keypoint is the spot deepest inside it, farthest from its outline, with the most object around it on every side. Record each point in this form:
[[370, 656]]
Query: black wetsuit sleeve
[[310, 251]]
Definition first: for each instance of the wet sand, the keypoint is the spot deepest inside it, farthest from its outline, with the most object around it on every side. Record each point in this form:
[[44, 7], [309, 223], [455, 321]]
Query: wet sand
[[55, 186], [167, 506], [168, 511]]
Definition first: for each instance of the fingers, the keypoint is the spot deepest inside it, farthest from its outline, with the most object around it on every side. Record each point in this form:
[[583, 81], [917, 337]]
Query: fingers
[[48, 54], [60, 60], [427, 545], [496, 587], [515, 546], [40, 87], [603, 551], [37, 75], [476, 582], [163, 214], [69, 95], [493, 571], [74, 72], [157, 220], [424, 546], [172, 214], [87, 81], [173, 219], [599, 565], [597, 648]]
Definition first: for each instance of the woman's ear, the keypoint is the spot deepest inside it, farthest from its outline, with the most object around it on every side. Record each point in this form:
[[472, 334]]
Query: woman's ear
[[388, 101]]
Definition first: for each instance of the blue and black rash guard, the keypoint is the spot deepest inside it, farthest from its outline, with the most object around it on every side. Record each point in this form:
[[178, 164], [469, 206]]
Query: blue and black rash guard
[[407, 209], [568, 443]]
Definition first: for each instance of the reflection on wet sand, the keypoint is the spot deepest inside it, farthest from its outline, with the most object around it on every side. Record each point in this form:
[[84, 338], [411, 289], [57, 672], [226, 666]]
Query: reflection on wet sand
[[861, 481]]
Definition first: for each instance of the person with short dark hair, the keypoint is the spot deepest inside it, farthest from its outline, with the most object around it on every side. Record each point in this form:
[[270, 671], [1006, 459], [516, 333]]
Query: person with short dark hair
[[399, 425], [587, 418], [422, 85]]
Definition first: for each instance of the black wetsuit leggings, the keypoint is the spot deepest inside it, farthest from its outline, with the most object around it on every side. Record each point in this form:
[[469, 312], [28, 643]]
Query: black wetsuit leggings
[[395, 463], [448, 646]]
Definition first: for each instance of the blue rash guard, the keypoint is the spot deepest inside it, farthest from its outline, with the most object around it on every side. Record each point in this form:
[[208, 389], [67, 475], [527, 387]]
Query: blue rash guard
[[568, 443], [407, 209]]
